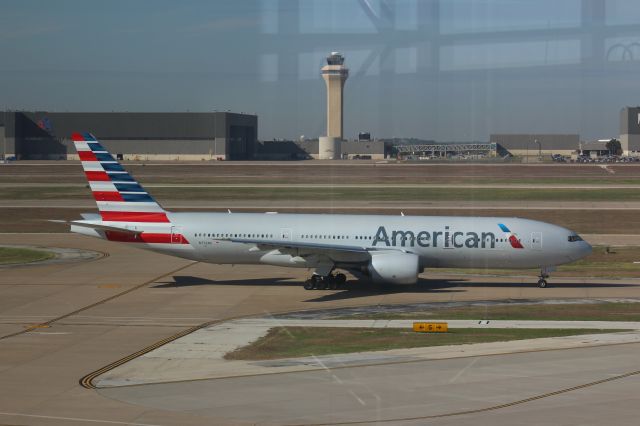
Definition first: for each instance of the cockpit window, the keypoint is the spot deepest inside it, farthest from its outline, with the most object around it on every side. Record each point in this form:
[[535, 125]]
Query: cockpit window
[[574, 238]]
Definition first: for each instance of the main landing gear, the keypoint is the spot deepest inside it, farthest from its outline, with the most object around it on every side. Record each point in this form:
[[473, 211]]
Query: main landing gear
[[327, 282]]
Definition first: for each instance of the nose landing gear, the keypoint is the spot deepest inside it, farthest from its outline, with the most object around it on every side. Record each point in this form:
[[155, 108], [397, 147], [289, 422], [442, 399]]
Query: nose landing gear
[[326, 282], [544, 274]]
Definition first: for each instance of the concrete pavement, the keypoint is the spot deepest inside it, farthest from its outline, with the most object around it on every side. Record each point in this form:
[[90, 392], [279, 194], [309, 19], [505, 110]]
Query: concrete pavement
[[40, 369], [200, 355], [588, 386]]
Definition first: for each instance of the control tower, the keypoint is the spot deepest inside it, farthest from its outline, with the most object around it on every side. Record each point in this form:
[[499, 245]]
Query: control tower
[[334, 75]]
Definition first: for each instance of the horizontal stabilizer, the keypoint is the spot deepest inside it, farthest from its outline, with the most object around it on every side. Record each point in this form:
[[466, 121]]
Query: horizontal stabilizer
[[100, 227]]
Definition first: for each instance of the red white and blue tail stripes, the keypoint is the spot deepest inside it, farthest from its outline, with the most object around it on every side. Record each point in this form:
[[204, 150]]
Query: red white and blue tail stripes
[[120, 198]]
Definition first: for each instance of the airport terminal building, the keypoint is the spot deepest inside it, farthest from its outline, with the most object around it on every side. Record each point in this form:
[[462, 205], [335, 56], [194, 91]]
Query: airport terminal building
[[131, 136]]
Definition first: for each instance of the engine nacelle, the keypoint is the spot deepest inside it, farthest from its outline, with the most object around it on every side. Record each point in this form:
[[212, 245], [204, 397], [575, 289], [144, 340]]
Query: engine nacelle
[[394, 267]]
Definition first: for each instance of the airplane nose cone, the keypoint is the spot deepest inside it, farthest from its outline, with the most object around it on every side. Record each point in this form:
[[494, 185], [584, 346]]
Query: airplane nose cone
[[583, 249]]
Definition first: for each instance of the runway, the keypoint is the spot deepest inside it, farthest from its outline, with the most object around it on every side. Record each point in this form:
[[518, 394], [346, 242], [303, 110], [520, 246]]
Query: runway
[[355, 206], [90, 314]]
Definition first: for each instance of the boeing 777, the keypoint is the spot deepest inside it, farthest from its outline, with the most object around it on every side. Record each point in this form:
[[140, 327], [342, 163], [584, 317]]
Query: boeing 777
[[386, 249]]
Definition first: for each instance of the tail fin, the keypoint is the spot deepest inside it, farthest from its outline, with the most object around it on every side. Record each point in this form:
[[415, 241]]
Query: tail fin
[[119, 197]]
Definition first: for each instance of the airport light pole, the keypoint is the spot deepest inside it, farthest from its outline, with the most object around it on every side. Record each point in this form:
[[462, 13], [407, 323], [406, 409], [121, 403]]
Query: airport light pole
[[539, 149]]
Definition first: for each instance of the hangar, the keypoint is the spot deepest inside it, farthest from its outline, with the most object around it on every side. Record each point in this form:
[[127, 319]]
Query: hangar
[[536, 145], [630, 130], [131, 135]]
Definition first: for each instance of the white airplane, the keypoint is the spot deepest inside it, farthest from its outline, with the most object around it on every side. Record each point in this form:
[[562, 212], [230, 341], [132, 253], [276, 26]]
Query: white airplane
[[386, 249]]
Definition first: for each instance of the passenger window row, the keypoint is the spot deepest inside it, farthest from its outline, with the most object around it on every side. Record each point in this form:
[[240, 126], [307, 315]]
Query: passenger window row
[[305, 236], [203, 234], [323, 237], [333, 237]]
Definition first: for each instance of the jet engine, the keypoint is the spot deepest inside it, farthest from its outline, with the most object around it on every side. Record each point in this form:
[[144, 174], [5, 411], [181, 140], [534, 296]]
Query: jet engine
[[394, 268]]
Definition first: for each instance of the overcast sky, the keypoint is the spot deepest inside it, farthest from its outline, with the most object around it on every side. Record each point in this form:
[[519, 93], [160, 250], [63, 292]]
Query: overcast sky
[[444, 70]]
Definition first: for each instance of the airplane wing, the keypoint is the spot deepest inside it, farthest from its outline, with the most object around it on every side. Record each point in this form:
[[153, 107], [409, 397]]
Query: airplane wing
[[337, 253], [296, 245]]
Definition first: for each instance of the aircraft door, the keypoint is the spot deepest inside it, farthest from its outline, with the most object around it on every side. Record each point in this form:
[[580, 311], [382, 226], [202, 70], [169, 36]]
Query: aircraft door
[[536, 240], [285, 234], [176, 235]]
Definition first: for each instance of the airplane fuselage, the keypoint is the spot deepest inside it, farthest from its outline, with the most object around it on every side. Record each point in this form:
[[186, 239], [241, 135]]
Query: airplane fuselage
[[388, 249], [439, 241]]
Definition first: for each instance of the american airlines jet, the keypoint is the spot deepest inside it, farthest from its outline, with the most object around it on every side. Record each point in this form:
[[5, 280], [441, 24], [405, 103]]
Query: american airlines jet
[[386, 249]]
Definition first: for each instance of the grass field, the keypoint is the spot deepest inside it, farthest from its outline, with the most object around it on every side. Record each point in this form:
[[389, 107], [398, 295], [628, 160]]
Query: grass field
[[339, 172], [341, 194], [13, 255], [293, 342], [607, 311], [312, 178]]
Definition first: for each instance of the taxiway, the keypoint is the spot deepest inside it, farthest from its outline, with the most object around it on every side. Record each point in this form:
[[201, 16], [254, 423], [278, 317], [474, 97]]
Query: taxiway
[[59, 322]]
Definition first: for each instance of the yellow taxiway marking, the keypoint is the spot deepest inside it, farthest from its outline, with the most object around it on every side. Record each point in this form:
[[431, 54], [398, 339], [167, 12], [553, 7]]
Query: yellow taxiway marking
[[34, 326], [99, 302]]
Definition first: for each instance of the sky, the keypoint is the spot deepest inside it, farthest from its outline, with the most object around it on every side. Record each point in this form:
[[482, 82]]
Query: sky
[[449, 70]]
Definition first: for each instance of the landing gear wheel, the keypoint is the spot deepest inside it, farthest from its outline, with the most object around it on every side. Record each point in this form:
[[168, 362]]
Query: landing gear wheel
[[325, 282], [322, 284], [544, 274], [313, 283]]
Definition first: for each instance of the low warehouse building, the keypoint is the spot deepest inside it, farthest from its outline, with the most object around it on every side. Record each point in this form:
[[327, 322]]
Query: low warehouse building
[[531, 146], [362, 149], [310, 149], [133, 136], [594, 149]]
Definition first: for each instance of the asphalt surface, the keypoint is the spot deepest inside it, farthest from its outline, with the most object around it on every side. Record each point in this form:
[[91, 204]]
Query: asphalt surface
[[424, 392], [59, 322], [200, 355], [342, 186]]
